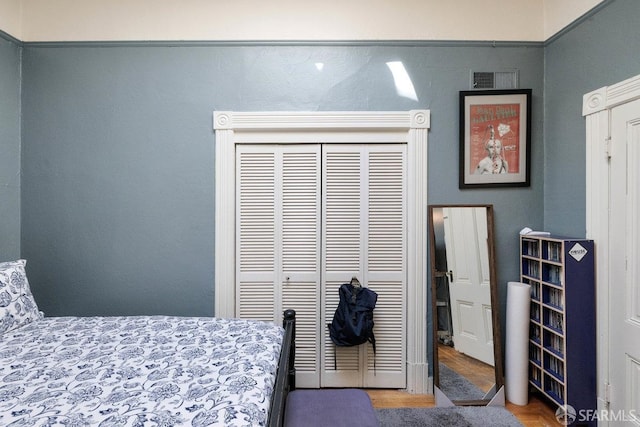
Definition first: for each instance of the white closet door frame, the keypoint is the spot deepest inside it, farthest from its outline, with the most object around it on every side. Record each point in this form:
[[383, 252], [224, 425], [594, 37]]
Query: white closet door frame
[[400, 127], [596, 108]]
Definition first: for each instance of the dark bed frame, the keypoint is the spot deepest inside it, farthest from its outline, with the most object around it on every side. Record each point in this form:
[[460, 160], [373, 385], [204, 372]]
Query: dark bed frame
[[286, 378]]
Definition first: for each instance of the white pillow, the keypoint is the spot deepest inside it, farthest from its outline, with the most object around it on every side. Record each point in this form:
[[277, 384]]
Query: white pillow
[[17, 306]]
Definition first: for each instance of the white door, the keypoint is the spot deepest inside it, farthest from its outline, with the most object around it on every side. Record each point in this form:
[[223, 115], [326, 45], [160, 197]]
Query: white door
[[278, 243], [359, 229], [465, 234], [364, 235], [624, 243]]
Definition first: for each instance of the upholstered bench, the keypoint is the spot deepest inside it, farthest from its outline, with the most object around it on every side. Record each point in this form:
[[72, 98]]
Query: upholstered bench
[[346, 407]]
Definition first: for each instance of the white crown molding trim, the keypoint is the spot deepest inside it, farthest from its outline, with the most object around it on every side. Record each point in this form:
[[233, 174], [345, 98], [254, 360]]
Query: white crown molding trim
[[610, 96], [407, 127], [256, 121]]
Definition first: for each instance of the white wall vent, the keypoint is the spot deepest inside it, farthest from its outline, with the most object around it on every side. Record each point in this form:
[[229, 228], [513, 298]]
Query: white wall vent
[[494, 79]]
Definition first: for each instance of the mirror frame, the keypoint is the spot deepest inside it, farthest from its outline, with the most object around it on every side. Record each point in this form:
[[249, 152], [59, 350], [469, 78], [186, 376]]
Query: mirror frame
[[495, 302]]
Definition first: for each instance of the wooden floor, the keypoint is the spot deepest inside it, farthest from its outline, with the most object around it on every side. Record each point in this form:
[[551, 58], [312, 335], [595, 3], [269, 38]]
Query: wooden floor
[[478, 373], [538, 413]]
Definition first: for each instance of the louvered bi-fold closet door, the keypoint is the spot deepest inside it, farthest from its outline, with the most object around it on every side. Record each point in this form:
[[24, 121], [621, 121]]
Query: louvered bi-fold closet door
[[364, 235], [278, 243]]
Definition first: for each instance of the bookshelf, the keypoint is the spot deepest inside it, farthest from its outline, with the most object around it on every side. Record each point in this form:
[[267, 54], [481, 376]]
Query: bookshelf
[[562, 337]]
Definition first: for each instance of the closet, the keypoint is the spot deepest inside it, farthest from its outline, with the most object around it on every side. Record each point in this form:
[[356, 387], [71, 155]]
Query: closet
[[308, 218], [320, 193]]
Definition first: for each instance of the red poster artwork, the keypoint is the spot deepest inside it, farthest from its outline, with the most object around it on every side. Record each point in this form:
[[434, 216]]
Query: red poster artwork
[[494, 139]]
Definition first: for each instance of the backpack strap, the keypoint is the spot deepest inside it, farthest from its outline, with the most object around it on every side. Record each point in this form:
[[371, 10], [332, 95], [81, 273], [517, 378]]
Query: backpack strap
[[335, 352], [372, 340]]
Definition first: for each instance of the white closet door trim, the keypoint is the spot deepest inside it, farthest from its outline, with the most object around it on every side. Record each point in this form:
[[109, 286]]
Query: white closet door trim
[[410, 127], [596, 108]]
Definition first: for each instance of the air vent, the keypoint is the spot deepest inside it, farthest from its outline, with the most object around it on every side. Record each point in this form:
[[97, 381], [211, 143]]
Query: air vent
[[494, 79]]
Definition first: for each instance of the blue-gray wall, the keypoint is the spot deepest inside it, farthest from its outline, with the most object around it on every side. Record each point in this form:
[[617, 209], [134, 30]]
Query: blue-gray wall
[[118, 154], [117, 146], [600, 51], [9, 148]]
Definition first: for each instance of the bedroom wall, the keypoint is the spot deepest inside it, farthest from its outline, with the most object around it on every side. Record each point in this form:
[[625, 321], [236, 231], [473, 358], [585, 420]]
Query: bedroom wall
[[587, 57], [69, 20], [11, 18], [118, 175], [9, 149]]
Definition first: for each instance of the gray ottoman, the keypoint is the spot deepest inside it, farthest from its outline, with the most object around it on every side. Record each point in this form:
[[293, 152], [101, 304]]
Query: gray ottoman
[[347, 407]]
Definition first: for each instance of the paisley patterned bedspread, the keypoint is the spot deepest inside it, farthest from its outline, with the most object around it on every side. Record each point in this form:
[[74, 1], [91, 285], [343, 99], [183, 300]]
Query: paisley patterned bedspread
[[138, 371]]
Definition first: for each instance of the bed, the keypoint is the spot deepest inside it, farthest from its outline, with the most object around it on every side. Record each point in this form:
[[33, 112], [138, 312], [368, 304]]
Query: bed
[[138, 370]]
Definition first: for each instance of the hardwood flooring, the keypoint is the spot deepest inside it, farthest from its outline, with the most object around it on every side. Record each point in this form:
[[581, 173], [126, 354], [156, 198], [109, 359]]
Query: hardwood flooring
[[537, 413], [478, 373]]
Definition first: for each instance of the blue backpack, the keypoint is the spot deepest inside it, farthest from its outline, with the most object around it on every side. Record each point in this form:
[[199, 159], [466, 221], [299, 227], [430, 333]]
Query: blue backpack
[[353, 320]]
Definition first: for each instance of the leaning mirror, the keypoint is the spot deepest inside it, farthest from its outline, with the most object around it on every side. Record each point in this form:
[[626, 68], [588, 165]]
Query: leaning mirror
[[467, 349]]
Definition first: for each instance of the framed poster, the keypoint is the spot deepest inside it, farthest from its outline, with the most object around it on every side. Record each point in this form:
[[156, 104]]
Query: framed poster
[[495, 138]]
